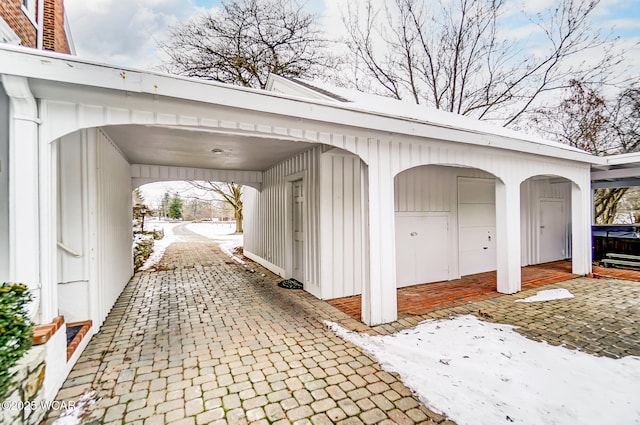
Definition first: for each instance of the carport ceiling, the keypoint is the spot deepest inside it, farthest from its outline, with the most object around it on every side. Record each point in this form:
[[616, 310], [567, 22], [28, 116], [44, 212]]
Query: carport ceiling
[[196, 147]]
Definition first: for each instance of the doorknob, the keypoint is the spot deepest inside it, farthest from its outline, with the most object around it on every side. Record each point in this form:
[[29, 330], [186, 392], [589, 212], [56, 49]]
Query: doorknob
[[414, 233]]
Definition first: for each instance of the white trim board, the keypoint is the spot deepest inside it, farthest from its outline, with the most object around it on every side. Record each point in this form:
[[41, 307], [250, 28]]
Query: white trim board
[[277, 270]]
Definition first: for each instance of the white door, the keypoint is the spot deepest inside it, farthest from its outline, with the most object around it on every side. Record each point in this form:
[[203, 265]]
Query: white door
[[422, 254], [477, 225], [553, 234], [298, 230]]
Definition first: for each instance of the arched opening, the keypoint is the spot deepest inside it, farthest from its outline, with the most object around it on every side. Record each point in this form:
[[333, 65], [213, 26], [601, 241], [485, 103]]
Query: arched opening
[[94, 171], [445, 220]]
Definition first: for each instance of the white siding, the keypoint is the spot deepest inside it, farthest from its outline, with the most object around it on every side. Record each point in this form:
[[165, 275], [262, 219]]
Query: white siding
[[266, 227], [4, 185], [430, 188], [110, 222], [341, 221], [72, 228]]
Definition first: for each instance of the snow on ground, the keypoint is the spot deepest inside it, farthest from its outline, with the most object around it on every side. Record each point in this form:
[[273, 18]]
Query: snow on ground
[[479, 373], [223, 234], [74, 415], [547, 295], [160, 245]]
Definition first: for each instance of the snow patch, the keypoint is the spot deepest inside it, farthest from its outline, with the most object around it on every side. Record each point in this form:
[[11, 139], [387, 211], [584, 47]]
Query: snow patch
[[479, 373], [547, 295], [75, 415], [160, 245]]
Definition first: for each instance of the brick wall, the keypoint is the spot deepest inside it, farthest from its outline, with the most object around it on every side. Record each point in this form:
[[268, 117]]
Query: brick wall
[[54, 35], [11, 12]]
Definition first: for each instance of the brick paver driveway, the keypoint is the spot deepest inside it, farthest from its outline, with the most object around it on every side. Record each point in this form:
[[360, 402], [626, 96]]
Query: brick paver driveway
[[203, 341]]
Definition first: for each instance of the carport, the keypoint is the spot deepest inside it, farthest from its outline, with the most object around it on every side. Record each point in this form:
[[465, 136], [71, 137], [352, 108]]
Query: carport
[[80, 136]]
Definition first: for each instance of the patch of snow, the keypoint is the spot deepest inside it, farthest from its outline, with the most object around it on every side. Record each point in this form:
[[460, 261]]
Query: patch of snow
[[75, 415], [547, 295], [485, 373], [160, 245]]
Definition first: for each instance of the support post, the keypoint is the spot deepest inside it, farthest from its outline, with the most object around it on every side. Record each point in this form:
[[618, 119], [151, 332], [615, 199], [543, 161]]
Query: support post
[[581, 206], [379, 293], [508, 250], [24, 225]]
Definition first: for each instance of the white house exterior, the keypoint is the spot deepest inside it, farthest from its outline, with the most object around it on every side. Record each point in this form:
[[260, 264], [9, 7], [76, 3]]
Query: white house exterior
[[348, 197]]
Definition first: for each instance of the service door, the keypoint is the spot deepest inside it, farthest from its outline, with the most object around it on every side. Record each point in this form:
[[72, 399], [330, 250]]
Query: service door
[[553, 234], [298, 230], [422, 253], [477, 225]]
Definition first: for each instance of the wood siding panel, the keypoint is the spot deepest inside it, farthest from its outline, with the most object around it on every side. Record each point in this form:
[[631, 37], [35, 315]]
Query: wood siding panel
[[341, 222]]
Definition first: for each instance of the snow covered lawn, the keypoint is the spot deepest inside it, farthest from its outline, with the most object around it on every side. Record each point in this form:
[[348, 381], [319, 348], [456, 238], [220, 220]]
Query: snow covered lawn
[[479, 373]]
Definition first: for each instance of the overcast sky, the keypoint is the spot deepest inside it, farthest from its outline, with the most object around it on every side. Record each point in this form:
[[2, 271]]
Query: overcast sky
[[124, 33]]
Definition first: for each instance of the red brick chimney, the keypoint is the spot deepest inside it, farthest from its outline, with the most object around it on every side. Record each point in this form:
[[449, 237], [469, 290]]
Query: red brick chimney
[[54, 37]]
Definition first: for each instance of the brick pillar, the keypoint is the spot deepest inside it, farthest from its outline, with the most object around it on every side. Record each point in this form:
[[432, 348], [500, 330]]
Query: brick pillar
[[54, 35]]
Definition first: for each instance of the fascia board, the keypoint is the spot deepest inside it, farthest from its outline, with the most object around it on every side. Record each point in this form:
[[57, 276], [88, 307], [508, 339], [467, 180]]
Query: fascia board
[[72, 70]]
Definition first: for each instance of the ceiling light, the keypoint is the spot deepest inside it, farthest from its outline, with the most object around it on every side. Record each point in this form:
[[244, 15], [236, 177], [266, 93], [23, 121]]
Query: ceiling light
[[217, 151]]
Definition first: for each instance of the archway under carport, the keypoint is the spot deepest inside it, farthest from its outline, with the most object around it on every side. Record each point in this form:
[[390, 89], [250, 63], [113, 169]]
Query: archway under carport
[[95, 171], [456, 207]]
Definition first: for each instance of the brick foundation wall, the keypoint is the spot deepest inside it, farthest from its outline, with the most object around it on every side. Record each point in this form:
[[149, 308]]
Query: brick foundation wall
[[11, 12]]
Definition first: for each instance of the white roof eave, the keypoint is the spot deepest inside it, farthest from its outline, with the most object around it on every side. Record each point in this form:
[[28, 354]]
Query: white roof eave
[[49, 66]]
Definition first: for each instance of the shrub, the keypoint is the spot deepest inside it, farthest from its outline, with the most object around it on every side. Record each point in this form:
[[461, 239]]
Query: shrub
[[141, 251], [16, 330]]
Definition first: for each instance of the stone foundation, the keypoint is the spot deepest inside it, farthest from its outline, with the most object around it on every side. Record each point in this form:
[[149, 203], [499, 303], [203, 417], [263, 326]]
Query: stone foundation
[[26, 405]]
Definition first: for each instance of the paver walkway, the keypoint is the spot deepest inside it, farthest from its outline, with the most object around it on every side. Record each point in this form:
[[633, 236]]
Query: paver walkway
[[203, 341]]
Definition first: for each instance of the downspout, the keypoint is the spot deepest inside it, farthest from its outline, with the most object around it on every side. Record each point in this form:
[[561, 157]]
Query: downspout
[[40, 28]]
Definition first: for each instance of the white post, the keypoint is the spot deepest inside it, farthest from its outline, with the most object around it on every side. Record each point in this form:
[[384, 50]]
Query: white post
[[581, 230], [379, 292], [24, 226], [508, 248]]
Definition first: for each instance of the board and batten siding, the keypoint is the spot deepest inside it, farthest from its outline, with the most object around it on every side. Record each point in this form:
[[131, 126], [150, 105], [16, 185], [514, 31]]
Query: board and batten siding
[[110, 216], [343, 256], [266, 222]]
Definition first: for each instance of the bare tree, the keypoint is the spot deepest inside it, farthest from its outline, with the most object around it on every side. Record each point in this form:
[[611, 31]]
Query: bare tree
[[584, 119], [229, 192], [246, 40], [452, 55]]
